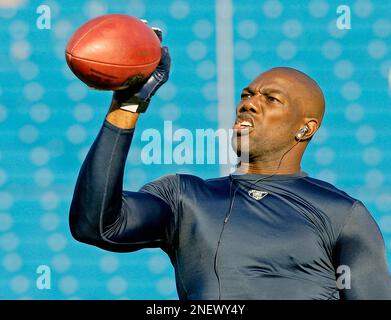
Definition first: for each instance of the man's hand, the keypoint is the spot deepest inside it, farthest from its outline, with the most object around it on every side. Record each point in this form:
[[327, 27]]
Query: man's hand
[[128, 103]]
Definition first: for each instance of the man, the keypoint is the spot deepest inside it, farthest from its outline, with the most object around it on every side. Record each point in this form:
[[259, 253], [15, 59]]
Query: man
[[269, 231]]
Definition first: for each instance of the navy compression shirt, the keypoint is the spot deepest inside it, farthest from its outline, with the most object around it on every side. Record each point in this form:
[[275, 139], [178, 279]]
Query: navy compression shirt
[[287, 245]]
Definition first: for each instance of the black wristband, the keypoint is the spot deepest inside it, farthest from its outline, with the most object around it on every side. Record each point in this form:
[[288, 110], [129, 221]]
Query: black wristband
[[134, 104]]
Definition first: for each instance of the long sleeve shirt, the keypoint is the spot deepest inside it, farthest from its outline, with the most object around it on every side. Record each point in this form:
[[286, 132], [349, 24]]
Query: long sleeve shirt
[[286, 236]]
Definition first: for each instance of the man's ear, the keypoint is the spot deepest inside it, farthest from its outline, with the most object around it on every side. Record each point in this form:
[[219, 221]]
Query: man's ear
[[313, 126]]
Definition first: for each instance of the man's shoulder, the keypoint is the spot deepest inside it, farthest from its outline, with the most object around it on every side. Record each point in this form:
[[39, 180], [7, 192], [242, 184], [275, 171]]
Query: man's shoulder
[[184, 179], [194, 180], [330, 199], [327, 189]]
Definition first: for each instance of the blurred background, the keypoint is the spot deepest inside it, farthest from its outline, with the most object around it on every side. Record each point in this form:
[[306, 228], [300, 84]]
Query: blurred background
[[48, 120]]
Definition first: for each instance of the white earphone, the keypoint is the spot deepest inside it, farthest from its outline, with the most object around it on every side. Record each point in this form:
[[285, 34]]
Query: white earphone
[[302, 132]]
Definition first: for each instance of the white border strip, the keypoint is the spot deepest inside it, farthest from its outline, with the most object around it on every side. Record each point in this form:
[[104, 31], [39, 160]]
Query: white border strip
[[225, 68]]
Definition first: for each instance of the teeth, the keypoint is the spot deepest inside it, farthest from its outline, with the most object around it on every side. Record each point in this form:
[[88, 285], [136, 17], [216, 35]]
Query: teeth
[[246, 124]]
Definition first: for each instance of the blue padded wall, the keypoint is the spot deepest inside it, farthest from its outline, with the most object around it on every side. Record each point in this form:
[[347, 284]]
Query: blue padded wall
[[48, 120]]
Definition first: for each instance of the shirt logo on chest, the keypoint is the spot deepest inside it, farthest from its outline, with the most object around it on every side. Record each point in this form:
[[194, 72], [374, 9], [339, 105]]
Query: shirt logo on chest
[[257, 195]]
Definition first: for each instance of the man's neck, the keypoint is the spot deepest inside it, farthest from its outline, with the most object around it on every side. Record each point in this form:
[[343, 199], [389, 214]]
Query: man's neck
[[268, 168]]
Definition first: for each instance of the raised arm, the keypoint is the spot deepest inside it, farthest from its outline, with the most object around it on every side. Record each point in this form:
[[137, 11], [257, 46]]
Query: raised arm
[[360, 250], [102, 214]]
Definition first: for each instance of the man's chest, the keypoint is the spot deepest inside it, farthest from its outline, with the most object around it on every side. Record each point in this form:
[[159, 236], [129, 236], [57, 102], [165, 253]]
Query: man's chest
[[267, 233]]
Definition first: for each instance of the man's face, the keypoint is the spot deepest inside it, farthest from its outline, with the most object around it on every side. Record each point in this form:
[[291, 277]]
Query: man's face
[[269, 115]]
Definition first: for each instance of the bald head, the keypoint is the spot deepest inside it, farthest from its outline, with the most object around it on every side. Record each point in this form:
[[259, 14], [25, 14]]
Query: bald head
[[306, 93], [273, 111]]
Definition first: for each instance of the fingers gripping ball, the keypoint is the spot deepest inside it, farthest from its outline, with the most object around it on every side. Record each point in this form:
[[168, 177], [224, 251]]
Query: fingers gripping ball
[[130, 100], [113, 51]]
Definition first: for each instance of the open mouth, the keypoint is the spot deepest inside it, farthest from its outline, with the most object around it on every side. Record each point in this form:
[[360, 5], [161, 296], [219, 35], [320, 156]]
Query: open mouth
[[243, 125]]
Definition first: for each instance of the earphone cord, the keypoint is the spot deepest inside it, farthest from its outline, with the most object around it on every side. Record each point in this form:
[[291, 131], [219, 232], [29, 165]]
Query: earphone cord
[[231, 202]]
